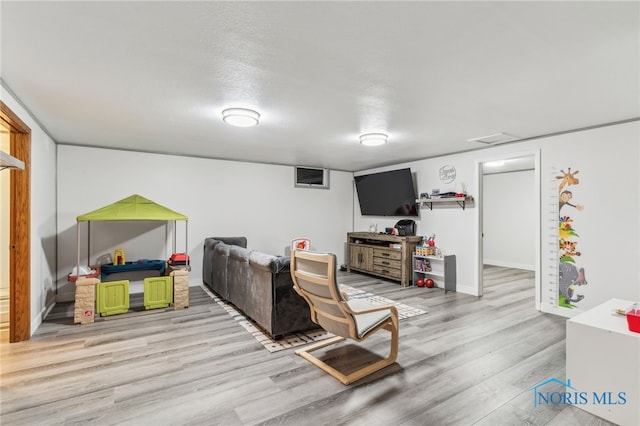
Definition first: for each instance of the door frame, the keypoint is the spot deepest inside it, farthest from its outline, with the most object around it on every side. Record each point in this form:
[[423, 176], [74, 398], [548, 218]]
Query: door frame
[[537, 217], [19, 228]]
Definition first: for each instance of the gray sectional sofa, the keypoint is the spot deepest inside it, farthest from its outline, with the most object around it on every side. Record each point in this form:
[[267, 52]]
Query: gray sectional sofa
[[257, 283]]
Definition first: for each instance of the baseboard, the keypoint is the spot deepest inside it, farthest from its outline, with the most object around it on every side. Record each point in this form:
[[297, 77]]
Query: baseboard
[[467, 290], [35, 323]]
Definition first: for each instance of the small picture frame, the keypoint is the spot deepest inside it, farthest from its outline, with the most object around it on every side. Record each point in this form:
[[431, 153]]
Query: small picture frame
[[447, 174]]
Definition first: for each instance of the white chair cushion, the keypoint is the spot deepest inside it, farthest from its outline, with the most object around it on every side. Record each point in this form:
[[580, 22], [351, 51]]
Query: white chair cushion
[[366, 322]]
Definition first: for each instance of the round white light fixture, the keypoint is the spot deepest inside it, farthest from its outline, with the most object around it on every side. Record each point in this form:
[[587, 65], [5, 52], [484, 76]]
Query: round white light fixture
[[373, 139], [240, 117]]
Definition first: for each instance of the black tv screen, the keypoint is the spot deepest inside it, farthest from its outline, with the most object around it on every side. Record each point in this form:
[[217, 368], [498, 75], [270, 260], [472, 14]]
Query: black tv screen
[[387, 193]]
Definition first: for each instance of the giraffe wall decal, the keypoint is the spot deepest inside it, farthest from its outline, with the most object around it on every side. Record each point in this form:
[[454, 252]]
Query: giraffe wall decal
[[568, 178]]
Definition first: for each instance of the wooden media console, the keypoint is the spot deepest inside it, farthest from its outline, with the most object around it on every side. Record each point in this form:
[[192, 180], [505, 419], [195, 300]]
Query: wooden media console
[[384, 255]]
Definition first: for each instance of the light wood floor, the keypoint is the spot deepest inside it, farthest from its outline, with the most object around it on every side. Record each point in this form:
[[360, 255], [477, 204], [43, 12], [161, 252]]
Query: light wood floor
[[468, 361]]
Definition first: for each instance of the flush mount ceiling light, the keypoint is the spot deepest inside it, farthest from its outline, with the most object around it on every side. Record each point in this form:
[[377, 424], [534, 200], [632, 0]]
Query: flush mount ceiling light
[[240, 117], [373, 139]]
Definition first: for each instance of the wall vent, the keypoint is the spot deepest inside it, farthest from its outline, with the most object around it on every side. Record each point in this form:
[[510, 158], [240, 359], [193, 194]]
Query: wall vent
[[311, 177], [495, 139]]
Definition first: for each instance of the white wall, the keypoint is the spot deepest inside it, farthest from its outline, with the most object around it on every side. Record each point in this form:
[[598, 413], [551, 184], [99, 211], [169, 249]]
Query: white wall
[[608, 227], [258, 201], [607, 159], [452, 225], [509, 219], [221, 198], [43, 213]]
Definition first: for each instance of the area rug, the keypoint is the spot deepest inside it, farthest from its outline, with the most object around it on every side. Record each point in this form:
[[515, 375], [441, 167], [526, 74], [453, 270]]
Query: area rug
[[299, 339]]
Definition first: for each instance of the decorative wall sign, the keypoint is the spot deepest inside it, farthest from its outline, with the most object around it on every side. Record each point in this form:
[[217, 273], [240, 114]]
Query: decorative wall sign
[[447, 174]]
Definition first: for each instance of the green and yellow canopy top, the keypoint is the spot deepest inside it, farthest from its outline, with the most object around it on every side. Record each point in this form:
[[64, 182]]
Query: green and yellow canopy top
[[134, 207]]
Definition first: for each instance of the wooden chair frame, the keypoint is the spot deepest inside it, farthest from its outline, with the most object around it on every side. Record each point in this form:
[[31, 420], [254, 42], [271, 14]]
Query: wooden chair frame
[[339, 299]]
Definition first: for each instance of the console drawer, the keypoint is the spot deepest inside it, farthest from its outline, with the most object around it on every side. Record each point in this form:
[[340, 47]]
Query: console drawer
[[387, 253], [387, 263], [393, 273]]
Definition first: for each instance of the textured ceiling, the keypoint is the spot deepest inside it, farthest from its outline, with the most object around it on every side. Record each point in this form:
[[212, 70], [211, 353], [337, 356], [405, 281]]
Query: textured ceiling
[[155, 76]]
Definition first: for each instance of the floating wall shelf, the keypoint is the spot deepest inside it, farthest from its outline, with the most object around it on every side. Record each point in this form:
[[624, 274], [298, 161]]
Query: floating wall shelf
[[460, 201]]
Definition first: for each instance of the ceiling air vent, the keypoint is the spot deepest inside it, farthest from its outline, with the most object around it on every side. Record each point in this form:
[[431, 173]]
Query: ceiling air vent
[[496, 139]]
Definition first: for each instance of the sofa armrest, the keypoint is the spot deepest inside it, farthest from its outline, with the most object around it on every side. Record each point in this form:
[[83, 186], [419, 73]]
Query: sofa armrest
[[262, 261], [269, 262]]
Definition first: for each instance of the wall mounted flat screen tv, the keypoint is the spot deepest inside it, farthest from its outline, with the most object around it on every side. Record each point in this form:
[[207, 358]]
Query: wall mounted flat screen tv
[[387, 193]]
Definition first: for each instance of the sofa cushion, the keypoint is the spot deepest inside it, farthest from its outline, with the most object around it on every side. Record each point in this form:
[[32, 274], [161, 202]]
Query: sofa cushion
[[214, 268], [219, 273], [260, 295], [238, 276]]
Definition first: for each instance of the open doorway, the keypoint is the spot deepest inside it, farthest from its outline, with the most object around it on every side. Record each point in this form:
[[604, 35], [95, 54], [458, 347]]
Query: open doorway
[[509, 223]]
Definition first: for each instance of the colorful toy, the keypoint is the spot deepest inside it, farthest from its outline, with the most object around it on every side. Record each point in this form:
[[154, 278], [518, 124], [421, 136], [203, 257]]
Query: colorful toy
[[420, 282], [118, 257], [430, 283]]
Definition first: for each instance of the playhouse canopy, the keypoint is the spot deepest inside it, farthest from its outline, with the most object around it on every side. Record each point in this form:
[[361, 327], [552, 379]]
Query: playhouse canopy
[[134, 207]]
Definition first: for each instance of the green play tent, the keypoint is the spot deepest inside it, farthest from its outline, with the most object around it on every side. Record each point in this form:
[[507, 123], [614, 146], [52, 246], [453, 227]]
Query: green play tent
[[133, 207]]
